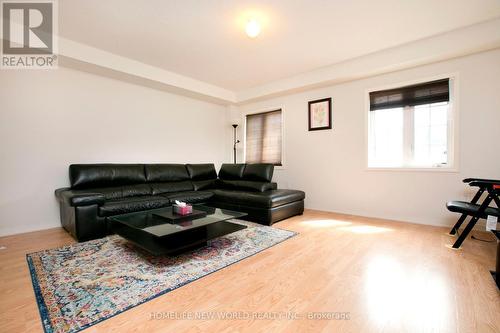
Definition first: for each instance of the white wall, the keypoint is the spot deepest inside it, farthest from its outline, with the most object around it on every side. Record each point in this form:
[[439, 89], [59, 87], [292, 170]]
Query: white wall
[[330, 165], [49, 119]]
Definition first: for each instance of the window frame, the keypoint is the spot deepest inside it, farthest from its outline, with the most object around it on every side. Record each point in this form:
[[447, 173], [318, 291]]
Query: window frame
[[453, 125], [244, 136]]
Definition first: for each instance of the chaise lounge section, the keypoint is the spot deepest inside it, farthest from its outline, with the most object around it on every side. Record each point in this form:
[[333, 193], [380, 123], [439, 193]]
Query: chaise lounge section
[[99, 191], [249, 188]]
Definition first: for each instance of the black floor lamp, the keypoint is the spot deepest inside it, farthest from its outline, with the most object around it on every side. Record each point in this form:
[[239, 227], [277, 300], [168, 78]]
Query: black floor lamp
[[235, 142]]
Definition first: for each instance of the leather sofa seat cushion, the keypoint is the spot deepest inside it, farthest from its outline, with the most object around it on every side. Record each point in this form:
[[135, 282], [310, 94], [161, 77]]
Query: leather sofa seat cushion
[[201, 171], [111, 193], [159, 188], [231, 171], [166, 172], [133, 204], [262, 172], [189, 196], [266, 199], [102, 175]]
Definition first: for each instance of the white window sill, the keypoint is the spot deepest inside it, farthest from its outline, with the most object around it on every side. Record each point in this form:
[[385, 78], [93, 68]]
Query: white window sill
[[410, 169]]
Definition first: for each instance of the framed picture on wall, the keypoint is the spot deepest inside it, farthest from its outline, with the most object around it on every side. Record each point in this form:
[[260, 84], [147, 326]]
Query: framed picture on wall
[[320, 114]]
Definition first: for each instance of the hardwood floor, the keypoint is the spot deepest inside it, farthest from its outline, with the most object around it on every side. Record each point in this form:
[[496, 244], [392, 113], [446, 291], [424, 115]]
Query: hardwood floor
[[384, 276]]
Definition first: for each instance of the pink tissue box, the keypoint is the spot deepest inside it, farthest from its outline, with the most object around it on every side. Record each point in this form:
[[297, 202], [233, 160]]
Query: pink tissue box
[[188, 209]]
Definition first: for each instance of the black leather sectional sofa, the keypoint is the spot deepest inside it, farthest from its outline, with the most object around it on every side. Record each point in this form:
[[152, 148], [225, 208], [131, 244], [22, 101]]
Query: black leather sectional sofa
[[99, 191]]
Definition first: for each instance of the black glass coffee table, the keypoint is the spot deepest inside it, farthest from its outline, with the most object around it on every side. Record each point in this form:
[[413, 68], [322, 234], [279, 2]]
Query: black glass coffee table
[[160, 236]]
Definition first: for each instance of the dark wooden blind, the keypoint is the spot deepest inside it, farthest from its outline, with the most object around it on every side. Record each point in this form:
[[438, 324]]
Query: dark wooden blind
[[263, 138], [418, 94]]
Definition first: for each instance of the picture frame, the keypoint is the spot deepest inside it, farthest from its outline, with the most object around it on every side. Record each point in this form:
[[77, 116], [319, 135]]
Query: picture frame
[[320, 114]]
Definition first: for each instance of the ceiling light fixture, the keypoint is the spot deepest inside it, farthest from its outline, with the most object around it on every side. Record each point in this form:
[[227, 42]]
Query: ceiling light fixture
[[252, 28]]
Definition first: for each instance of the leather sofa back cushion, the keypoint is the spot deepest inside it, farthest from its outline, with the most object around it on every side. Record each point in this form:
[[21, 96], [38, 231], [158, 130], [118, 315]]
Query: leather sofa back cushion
[[201, 171], [231, 171], [102, 175], [159, 188], [166, 172], [111, 193], [247, 185], [204, 184], [262, 172]]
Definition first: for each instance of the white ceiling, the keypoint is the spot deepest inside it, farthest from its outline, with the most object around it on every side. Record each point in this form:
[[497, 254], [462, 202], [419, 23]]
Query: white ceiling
[[205, 39]]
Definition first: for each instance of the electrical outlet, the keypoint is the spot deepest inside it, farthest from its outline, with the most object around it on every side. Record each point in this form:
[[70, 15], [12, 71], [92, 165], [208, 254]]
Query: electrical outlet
[[491, 223]]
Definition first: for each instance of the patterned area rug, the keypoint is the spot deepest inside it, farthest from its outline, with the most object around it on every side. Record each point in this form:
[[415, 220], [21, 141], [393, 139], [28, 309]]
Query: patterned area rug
[[79, 285]]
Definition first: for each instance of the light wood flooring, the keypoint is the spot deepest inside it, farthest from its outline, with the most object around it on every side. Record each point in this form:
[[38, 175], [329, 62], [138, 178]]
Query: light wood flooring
[[384, 276]]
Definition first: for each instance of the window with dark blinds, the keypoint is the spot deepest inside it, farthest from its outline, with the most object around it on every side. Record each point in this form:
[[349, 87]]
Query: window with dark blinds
[[412, 126], [263, 138], [419, 94]]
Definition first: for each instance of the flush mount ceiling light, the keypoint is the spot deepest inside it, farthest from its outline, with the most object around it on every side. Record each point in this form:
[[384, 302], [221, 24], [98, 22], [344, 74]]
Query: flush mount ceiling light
[[252, 28]]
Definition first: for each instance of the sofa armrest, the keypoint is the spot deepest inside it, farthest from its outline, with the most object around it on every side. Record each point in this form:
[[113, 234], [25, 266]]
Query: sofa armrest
[[77, 198]]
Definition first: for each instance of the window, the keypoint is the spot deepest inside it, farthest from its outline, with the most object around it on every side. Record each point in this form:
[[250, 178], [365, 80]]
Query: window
[[411, 126], [263, 138]]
